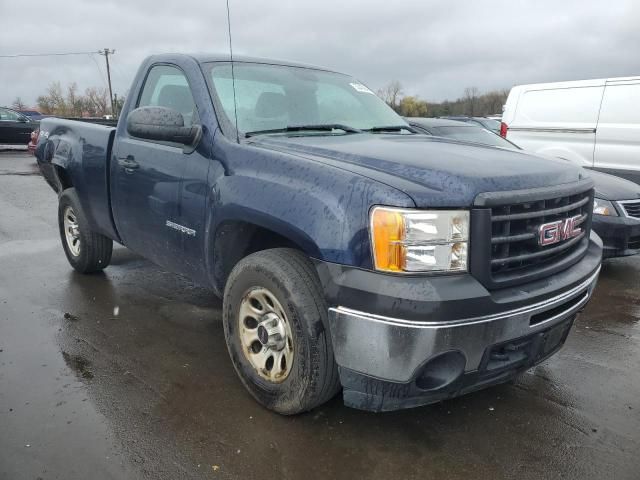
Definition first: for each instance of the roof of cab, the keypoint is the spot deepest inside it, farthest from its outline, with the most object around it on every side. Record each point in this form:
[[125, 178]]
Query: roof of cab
[[225, 57]]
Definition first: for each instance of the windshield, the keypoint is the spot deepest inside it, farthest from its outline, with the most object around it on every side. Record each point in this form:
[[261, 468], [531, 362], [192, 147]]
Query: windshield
[[472, 134], [273, 97]]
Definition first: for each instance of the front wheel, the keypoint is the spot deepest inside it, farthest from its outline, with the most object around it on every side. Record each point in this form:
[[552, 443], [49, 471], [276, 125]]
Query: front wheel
[[87, 251], [274, 317]]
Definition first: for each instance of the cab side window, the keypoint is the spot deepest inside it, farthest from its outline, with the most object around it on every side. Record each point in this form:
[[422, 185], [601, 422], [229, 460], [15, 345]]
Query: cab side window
[[167, 86]]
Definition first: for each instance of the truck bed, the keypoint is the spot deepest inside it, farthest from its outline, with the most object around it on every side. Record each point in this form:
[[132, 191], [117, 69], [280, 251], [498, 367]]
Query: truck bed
[[79, 154]]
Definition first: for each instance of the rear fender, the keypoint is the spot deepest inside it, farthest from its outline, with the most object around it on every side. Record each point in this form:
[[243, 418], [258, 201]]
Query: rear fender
[[76, 154]]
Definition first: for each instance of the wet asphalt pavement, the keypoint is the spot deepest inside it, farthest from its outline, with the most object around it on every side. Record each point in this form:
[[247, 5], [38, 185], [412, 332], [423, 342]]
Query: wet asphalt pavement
[[125, 374]]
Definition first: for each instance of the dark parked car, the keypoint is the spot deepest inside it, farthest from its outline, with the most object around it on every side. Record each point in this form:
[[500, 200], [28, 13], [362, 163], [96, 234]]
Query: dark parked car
[[459, 130], [617, 201], [349, 251], [617, 214], [484, 122], [15, 128]]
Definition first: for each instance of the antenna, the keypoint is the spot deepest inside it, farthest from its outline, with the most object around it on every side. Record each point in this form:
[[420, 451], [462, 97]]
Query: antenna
[[233, 77]]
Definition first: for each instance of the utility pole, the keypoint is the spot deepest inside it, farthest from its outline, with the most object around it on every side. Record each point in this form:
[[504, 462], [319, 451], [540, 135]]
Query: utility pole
[[106, 52]]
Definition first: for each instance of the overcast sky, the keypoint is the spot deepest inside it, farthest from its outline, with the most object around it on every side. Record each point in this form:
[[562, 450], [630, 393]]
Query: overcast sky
[[435, 48]]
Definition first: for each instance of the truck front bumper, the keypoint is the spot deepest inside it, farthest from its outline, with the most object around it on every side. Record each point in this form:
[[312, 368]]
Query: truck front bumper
[[406, 341]]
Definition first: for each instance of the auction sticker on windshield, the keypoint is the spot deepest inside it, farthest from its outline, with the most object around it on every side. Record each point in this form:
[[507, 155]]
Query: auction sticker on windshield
[[361, 88]]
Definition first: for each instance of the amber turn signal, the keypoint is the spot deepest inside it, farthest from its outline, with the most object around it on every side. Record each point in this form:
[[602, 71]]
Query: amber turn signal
[[387, 235]]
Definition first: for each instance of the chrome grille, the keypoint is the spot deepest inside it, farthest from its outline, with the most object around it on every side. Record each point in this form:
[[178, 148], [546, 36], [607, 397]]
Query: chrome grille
[[631, 208], [514, 238], [506, 247]]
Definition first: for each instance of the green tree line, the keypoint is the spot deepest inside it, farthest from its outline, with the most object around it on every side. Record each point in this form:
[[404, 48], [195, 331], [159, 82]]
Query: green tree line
[[472, 103]]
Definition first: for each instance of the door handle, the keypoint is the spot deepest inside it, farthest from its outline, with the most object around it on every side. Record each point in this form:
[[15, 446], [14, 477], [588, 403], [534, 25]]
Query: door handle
[[128, 162]]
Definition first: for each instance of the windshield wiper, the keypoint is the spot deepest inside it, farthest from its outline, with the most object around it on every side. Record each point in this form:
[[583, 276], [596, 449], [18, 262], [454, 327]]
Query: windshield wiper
[[390, 128], [324, 127]]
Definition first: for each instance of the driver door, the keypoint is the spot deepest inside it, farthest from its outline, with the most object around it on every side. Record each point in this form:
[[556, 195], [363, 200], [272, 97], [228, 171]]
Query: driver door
[[148, 175]]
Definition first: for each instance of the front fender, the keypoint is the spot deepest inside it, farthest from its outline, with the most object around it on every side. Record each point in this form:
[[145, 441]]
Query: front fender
[[322, 224], [321, 209]]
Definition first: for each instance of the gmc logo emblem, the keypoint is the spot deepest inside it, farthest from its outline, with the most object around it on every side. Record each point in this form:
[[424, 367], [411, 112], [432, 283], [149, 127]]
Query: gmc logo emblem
[[554, 232]]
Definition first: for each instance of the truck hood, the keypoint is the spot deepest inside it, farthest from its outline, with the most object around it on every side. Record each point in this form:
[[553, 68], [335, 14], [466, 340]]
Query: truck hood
[[434, 172]]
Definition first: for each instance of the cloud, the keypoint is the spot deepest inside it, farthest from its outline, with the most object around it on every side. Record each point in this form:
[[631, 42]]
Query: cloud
[[435, 49]]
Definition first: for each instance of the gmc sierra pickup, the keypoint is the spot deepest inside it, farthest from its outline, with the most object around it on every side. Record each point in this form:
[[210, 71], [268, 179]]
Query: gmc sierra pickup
[[349, 250]]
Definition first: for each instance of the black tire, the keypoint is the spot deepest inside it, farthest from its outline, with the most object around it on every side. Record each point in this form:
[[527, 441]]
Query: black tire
[[94, 249], [291, 278]]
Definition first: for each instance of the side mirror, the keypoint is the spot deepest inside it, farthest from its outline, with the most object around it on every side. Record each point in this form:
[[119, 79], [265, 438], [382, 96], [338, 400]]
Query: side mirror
[[161, 124]]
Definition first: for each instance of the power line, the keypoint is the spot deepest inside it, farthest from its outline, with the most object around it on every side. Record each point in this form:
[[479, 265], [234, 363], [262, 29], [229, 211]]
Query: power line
[[18, 55], [90, 54], [119, 71], [106, 52], [102, 76]]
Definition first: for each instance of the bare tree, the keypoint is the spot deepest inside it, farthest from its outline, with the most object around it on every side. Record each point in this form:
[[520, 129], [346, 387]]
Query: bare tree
[[118, 103], [391, 94], [492, 102], [470, 99], [53, 102], [18, 104], [75, 102], [96, 101]]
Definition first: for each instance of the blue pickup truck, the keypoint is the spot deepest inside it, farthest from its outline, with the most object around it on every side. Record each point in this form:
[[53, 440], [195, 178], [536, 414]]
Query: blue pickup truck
[[350, 251]]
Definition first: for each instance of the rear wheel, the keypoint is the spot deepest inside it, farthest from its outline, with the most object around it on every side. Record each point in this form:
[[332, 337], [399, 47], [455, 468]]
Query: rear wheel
[[274, 319], [87, 251]]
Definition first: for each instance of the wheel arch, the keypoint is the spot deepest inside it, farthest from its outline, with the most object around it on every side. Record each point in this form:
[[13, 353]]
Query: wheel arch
[[234, 239], [62, 179]]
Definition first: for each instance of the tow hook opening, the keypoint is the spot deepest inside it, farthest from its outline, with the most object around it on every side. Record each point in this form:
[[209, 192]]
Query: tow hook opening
[[441, 371]]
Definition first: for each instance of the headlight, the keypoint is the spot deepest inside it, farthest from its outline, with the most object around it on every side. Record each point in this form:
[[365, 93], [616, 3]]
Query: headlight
[[604, 207], [419, 240]]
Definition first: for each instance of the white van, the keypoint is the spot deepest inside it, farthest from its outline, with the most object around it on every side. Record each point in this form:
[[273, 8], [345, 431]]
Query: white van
[[595, 123]]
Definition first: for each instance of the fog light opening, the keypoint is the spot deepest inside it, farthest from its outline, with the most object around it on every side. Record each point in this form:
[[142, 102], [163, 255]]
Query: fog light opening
[[441, 371]]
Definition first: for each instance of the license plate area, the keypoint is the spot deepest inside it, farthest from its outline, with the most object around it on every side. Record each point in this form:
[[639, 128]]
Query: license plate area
[[525, 351]]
